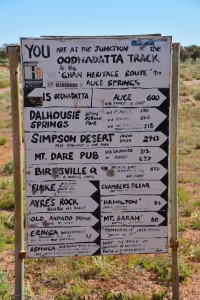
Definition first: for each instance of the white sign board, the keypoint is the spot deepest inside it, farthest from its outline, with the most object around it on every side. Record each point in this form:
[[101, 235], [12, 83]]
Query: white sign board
[[96, 122]]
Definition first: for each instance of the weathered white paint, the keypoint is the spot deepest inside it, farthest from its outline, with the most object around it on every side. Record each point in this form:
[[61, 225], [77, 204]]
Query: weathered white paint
[[98, 171], [122, 203], [72, 140], [131, 219], [53, 250], [107, 155], [127, 98], [92, 140], [67, 98], [61, 204], [92, 120], [132, 232], [54, 77], [132, 187], [68, 235], [61, 219], [124, 246], [60, 188]]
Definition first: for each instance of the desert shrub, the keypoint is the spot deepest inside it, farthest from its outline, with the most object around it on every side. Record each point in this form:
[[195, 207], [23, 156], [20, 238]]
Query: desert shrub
[[195, 253], [158, 295], [183, 196], [5, 288], [197, 95], [6, 193], [3, 141], [7, 200], [9, 167]]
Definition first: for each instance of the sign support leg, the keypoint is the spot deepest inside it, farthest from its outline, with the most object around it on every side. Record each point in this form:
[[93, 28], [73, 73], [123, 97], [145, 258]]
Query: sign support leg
[[173, 169], [13, 54]]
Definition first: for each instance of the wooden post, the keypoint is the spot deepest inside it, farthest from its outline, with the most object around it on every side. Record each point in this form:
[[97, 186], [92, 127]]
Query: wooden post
[[13, 54], [173, 170]]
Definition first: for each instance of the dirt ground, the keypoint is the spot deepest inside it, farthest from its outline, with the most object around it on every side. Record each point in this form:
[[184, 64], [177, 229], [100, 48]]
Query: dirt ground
[[4, 68], [6, 151], [191, 82]]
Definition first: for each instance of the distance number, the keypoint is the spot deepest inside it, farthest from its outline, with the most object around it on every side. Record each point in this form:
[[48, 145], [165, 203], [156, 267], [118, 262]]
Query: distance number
[[153, 98]]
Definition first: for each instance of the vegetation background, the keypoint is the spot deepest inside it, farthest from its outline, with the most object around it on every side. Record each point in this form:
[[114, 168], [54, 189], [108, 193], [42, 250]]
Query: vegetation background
[[136, 277]]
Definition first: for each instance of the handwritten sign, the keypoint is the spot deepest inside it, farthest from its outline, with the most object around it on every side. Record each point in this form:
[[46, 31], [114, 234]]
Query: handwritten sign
[[100, 171], [61, 188], [96, 122], [132, 232], [62, 204], [125, 97], [131, 203], [125, 246], [69, 156], [61, 249], [125, 119]]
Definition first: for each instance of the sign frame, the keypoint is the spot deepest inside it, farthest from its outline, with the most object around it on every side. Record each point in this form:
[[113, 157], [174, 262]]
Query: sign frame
[[133, 63], [20, 254]]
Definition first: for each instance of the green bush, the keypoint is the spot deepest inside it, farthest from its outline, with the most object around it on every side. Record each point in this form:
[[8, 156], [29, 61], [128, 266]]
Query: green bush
[[4, 80], [3, 141], [196, 204], [195, 253], [159, 295], [9, 222], [5, 289], [195, 224], [6, 235], [7, 200], [28, 292], [122, 296], [197, 95], [6, 193], [9, 168], [187, 210], [184, 271], [181, 226], [6, 183], [197, 146], [183, 196]]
